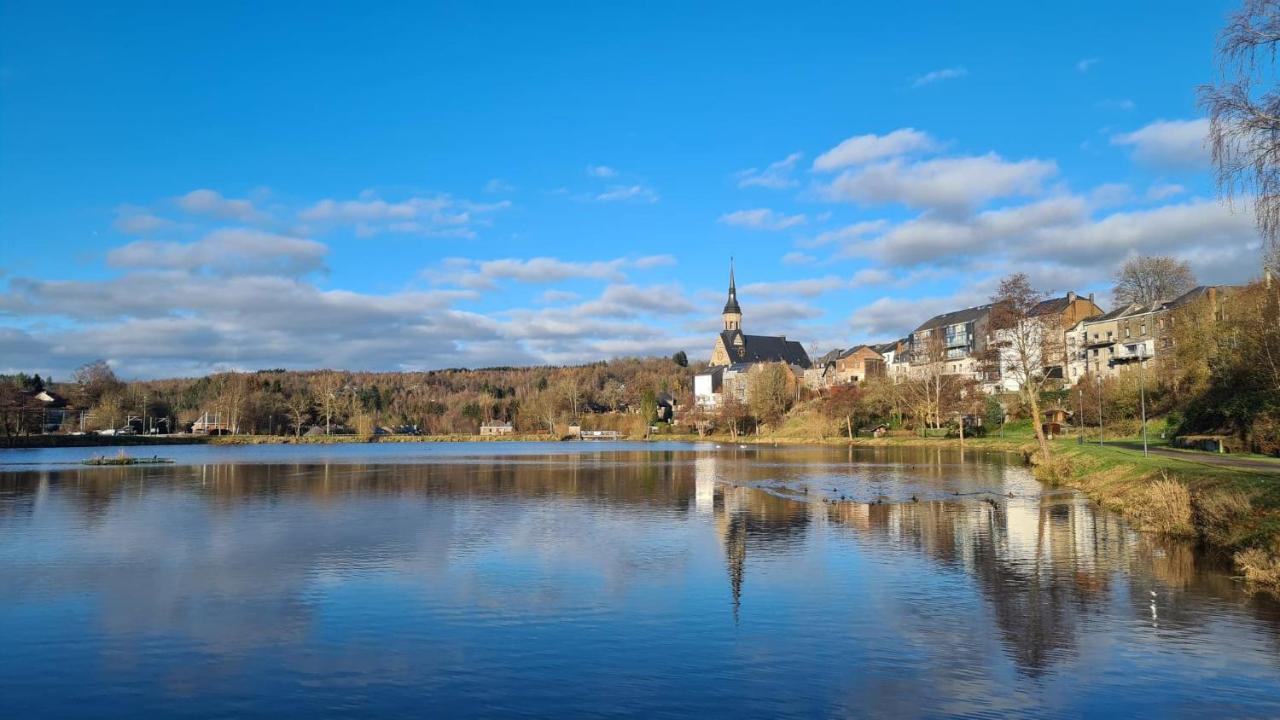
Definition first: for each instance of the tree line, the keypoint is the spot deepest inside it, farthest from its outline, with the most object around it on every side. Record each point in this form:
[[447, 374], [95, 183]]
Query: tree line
[[292, 402]]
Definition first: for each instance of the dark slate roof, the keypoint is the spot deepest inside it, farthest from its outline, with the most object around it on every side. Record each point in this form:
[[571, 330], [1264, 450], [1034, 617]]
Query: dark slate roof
[[855, 349], [1124, 311], [766, 348], [1051, 306], [1196, 293], [830, 357], [956, 317], [731, 305]]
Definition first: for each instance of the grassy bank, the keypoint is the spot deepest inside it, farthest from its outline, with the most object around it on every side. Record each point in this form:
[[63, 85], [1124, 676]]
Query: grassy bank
[[1232, 510]]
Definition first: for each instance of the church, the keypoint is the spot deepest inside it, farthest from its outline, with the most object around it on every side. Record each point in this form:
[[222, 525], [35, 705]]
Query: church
[[734, 347], [735, 355]]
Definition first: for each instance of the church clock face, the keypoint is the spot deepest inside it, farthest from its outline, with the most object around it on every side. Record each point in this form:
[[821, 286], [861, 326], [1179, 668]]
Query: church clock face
[[742, 352]]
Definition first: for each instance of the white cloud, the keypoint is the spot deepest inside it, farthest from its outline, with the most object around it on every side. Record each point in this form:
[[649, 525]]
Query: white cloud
[[438, 215], [652, 261], [894, 317], [951, 183], [871, 276], [798, 258], [936, 76], [483, 274], [211, 203], [777, 176], [761, 219], [231, 251], [1124, 104], [619, 193], [862, 149], [1087, 63], [1164, 191], [555, 297], [601, 171], [498, 185], [1169, 144], [929, 239], [1200, 225], [808, 287], [846, 234], [632, 300]]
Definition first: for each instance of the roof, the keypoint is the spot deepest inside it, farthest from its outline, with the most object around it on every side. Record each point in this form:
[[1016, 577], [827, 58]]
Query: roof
[[830, 357], [765, 348], [1051, 306], [855, 349], [955, 317], [731, 305], [1124, 311], [50, 398], [1196, 293]]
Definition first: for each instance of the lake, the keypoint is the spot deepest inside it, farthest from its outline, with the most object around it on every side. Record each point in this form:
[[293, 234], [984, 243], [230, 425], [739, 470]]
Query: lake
[[584, 579]]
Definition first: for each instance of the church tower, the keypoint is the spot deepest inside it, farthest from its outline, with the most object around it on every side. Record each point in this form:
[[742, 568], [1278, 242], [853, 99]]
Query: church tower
[[732, 313]]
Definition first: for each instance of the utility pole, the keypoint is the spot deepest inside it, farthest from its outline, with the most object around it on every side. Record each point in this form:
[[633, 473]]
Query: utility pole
[[145, 429]]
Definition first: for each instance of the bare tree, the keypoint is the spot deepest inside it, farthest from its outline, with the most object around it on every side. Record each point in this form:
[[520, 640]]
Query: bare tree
[[770, 392], [94, 380], [298, 404], [1152, 279], [328, 393], [1027, 343], [930, 385], [1244, 116]]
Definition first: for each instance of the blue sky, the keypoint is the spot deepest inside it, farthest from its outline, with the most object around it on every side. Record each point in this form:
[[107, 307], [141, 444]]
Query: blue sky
[[244, 185]]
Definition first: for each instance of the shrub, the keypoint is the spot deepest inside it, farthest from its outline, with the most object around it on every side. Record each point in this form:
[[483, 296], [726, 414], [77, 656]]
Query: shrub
[[1259, 566], [1167, 508], [1222, 515]]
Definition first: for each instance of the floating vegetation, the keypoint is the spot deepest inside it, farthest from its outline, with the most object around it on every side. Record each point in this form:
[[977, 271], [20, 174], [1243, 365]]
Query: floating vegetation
[[123, 459]]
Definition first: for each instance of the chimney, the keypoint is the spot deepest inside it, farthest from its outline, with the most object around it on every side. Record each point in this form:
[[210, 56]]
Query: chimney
[[1090, 297], [1071, 296]]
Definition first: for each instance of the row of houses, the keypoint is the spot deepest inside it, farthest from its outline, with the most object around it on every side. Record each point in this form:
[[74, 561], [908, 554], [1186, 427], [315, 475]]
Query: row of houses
[[1075, 335]]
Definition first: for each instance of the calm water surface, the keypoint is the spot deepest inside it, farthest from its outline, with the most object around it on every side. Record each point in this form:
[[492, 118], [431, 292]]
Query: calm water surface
[[584, 579]]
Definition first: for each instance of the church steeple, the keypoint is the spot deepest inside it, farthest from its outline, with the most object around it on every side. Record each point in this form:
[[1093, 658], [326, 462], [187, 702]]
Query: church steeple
[[732, 312]]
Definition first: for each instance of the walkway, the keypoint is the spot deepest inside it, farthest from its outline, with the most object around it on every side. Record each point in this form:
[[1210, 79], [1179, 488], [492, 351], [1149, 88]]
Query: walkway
[[1252, 464]]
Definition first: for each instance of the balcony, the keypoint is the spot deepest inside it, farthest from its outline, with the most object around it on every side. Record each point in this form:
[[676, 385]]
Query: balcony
[[1132, 352]]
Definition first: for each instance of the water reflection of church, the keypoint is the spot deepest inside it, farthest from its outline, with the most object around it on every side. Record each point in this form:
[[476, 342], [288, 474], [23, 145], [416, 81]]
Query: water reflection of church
[[1042, 564]]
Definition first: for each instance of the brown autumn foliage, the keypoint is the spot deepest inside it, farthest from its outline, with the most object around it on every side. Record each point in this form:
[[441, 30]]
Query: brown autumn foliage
[[288, 402]]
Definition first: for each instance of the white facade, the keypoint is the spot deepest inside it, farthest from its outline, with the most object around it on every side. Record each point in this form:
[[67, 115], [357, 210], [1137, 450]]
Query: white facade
[[705, 393]]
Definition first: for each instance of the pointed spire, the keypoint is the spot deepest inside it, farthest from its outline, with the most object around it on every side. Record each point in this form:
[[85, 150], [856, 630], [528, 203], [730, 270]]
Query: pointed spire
[[731, 306]]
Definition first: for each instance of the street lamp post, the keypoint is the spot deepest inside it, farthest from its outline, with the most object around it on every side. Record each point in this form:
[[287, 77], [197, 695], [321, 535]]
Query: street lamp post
[[1098, 382], [1080, 418], [1142, 394]]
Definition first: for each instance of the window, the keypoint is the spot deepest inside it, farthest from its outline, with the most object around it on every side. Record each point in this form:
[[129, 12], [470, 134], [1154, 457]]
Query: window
[[1126, 331], [1142, 329]]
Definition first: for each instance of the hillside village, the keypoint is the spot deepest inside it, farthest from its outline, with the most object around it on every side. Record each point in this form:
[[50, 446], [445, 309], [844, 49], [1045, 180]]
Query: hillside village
[[1076, 341]]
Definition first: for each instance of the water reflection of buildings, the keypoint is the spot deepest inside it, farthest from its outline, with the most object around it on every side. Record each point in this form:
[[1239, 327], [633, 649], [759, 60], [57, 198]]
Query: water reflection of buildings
[[1041, 564]]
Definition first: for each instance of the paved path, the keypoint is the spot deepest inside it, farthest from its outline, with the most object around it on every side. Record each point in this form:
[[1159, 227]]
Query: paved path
[[1206, 458]]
